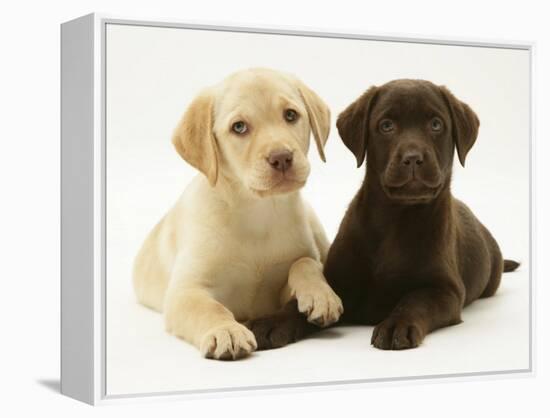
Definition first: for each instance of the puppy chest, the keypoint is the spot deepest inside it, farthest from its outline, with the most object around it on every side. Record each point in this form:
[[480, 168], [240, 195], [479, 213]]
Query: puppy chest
[[398, 252], [255, 277], [252, 290], [272, 238], [260, 245]]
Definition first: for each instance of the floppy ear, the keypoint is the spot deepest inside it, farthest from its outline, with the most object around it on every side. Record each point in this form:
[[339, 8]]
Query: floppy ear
[[319, 117], [194, 137], [465, 124], [353, 124]]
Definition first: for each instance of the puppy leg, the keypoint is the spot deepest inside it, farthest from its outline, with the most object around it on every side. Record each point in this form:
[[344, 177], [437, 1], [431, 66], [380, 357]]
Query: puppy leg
[[417, 314], [193, 314], [306, 297], [316, 299]]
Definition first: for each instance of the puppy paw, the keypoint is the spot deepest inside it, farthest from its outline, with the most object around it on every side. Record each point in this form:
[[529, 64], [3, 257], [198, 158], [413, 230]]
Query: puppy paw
[[397, 334], [320, 304], [228, 342], [278, 330]]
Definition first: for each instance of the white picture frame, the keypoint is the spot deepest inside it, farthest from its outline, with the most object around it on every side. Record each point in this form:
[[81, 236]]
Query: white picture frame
[[83, 211]]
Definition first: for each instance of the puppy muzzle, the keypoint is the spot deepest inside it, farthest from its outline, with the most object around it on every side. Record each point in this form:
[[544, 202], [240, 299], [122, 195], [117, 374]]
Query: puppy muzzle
[[282, 171], [412, 175]]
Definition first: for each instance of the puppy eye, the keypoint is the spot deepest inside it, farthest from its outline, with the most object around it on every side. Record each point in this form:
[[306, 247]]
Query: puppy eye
[[436, 124], [291, 115], [386, 126], [239, 127]]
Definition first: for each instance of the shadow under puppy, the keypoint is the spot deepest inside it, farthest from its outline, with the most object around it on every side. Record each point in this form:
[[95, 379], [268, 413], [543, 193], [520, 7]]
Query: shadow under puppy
[[408, 255], [240, 243]]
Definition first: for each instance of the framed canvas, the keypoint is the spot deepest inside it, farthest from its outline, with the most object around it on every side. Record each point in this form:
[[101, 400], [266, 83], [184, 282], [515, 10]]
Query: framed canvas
[[268, 131]]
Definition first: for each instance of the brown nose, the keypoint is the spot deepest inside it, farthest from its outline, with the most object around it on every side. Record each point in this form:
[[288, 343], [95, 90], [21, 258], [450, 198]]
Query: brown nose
[[280, 160], [412, 157]]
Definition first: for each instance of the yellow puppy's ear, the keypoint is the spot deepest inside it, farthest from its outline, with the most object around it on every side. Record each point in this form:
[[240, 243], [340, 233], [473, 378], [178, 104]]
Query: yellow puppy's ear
[[194, 137], [319, 117]]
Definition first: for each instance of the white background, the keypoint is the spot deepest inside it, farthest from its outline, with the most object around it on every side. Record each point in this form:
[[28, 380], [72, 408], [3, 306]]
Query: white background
[[30, 221], [153, 73]]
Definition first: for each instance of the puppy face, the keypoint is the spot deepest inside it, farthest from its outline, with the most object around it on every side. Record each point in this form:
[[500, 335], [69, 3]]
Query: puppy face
[[262, 129], [409, 129], [254, 128]]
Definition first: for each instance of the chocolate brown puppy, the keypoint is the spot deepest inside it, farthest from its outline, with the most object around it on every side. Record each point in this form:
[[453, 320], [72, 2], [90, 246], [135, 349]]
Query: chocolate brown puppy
[[408, 255]]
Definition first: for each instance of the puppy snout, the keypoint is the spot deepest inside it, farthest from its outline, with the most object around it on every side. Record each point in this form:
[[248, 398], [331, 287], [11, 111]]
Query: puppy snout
[[280, 160], [412, 158]]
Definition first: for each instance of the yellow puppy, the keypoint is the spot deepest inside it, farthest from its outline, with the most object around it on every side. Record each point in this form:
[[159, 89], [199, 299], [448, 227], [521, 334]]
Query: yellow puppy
[[241, 242]]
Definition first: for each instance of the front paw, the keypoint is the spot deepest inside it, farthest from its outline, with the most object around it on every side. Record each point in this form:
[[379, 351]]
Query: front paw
[[320, 305], [228, 342], [275, 331], [397, 334]]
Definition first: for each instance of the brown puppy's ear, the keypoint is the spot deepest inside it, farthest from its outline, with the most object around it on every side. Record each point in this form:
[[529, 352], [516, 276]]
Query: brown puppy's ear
[[319, 117], [465, 124], [353, 124], [194, 137]]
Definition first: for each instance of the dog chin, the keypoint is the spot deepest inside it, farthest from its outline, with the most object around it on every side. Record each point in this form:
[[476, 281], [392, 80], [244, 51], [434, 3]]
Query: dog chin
[[412, 193], [282, 187]]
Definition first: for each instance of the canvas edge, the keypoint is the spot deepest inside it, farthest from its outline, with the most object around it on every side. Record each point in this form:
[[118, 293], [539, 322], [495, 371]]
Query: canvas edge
[[77, 209]]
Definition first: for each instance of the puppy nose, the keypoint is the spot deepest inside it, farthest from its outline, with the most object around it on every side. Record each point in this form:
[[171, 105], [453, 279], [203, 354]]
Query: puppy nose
[[412, 157], [280, 160]]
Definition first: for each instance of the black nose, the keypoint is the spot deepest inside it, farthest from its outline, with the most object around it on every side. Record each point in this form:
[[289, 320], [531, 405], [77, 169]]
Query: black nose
[[280, 160], [412, 157]]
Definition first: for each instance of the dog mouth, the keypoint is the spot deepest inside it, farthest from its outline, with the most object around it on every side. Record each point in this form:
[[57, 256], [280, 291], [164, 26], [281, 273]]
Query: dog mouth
[[412, 192], [281, 186]]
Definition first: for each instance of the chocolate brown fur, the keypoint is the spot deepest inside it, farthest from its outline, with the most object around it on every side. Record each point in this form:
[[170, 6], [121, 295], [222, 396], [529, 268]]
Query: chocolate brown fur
[[282, 328], [408, 255]]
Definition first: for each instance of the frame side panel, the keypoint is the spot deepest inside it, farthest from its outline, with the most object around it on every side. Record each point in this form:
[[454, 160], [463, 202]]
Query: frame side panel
[[77, 205]]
